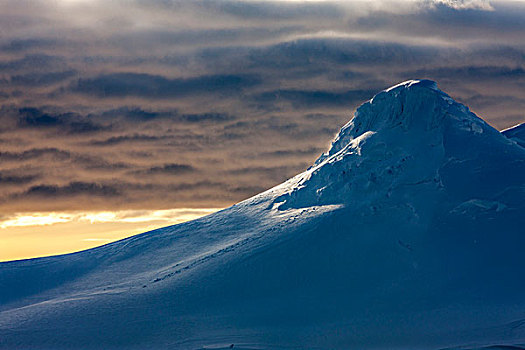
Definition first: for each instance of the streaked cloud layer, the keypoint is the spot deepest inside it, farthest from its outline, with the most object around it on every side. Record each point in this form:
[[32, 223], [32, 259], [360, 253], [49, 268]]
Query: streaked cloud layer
[[150, 105]]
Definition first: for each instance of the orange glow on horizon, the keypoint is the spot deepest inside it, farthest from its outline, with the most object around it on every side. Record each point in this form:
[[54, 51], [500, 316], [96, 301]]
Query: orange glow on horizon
[[31, 235]]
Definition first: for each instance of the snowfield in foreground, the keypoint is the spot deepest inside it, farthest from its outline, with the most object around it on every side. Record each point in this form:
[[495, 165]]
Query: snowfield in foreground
[[409, 233]]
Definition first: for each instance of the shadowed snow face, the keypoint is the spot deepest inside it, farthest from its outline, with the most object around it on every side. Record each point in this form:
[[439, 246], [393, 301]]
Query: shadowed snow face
[[163, 104]]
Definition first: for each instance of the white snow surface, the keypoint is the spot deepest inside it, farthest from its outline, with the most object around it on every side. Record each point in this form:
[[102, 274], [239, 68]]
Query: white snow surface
[[516, 133], [408, 233]]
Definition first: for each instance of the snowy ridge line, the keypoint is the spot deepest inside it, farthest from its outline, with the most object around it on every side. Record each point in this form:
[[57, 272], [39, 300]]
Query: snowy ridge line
[[516, 134]]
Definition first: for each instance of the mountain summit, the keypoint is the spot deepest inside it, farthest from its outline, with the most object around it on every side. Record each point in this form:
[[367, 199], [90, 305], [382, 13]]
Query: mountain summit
[[408, 233], [410, 134]]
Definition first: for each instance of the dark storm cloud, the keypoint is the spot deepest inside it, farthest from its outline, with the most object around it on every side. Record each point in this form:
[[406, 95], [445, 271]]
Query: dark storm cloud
[[503, 54], [275, 173], [150, 104], [156, 86], [9, 178], [168, 169], [71, 189], [71, 123], [32, 79], [128, 138], [260, 170], [31, 62], [188, 186], [494, 101], [473, 73], [247, 190], [140, 115], [321, 116], [20, 45], [207, 117], [136, 113], [32, 117], [34, 153], [270, 123], [301, 99], [98, 163], [313, 51], [54, 155], [292, 153]]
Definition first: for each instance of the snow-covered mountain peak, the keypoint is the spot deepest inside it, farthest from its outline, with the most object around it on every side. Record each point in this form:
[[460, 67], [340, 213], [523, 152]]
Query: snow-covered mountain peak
[[412, 106], [426, 83], [403, 136]]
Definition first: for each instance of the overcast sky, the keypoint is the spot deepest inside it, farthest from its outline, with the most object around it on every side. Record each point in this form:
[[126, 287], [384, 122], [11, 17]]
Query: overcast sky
[[160, 104]]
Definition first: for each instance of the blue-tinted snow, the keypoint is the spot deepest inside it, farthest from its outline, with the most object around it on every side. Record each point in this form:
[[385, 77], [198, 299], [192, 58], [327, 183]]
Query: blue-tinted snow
[[407, 234]]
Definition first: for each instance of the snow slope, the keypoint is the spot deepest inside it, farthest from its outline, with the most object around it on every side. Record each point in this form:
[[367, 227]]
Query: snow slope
[[407, 234], [516, 133]]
